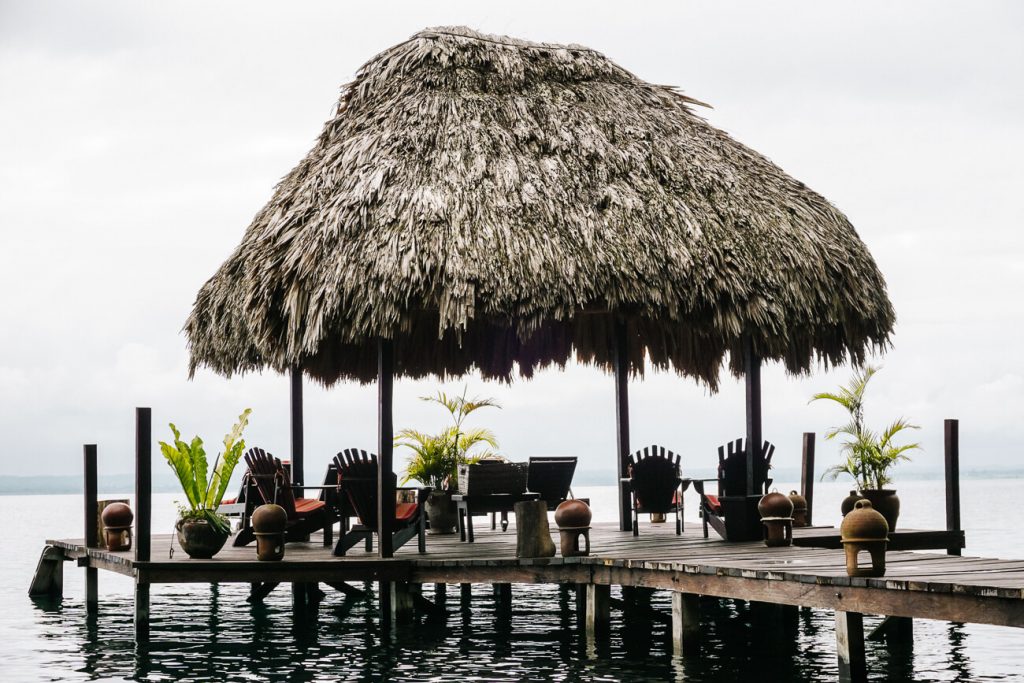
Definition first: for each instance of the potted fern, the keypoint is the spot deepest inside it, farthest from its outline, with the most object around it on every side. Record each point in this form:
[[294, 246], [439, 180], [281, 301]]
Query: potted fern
[[868, 456], [202, 531], [436, 457]]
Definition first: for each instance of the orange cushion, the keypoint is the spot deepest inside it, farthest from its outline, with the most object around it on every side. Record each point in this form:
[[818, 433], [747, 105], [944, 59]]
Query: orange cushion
[[228, 501], [713, 503], [405, 511], [303, 506]]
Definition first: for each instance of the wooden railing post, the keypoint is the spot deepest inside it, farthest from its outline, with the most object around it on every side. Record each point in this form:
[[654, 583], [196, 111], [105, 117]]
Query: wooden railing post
[[807, 475], [952, 462], [91, 524], [143, 514]]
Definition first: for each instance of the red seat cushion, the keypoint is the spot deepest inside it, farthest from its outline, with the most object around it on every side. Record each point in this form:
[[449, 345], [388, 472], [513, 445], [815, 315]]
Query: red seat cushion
[[405, 511], [228, 501], [304, 506], [713, 503]]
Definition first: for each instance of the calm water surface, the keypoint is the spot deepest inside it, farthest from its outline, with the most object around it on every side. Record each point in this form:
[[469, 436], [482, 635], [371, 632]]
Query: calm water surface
[[205, 633]]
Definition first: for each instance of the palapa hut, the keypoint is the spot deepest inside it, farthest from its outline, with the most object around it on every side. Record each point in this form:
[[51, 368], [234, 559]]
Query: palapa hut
[[485, 202]]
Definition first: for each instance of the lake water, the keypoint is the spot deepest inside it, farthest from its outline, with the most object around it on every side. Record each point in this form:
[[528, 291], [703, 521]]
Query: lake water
[[212, 634]]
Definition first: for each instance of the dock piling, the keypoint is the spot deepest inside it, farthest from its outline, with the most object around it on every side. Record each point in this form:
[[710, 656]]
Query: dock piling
[[807, 474], [48, 579], [91, 525], [850, 647], [685, 623], [952, 463], [143, 515], [598, 609]]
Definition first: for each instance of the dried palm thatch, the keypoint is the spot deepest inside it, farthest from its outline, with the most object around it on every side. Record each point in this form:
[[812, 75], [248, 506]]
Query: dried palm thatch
[[490, 202]]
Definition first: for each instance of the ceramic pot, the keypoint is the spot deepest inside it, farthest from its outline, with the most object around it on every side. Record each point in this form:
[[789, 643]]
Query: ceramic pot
[[799, 509], [849, 502], [864, 529], [441, 512], [573, 514], [199, 539], [886, 502], [268, 525], [117, 527], [775, 504]]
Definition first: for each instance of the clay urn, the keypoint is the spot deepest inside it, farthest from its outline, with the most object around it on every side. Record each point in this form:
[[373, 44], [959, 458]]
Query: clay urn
[[777, 516], [573, 514], [864, 528], [268, 525], [775, 504], [799, 508], [849, 502], [117, 527]]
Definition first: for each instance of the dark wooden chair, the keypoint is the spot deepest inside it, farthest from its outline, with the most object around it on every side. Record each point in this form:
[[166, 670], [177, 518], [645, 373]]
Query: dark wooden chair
[[267, 481], [551, 478], [655, 485], [357, 482], [732, 484]]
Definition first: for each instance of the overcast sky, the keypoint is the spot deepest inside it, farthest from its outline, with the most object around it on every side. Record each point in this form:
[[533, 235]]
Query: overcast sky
[[137, 140]]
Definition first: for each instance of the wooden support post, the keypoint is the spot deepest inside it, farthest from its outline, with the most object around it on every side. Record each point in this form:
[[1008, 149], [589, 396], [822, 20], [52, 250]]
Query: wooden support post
[[807, 475], [141, 611], [143, 483], [622, 422], [466, 596], [685, 623], [91, 527], [440, 594], [298, 452], [897, 632], [598, 610], [952, 461], [384, 598], [850, 646], [503, 596], [385, 445], [752, 376], [403, 601]]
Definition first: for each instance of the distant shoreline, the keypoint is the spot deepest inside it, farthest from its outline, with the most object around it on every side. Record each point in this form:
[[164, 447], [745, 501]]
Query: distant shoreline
[[66, 484]]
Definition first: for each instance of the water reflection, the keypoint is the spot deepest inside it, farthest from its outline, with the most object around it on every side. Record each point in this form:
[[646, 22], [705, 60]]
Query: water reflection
[[213, 633]]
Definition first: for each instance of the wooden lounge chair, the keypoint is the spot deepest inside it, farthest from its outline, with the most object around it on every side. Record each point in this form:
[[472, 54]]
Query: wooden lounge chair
[[655, 485], [268, 482], [732, 492], [357, 482], [551, 477]]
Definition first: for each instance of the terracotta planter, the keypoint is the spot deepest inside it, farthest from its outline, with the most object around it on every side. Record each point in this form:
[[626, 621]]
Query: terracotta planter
[[886, 502], [199, 539], [441, 512]]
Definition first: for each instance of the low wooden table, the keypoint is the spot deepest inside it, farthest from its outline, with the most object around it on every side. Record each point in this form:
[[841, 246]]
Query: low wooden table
[[481, 505]]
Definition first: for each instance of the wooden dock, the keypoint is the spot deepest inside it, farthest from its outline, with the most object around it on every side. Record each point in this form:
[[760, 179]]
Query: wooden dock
[[916, 584]]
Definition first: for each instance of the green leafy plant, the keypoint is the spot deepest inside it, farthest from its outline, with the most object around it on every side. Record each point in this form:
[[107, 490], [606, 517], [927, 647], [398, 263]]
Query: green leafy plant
[[436, 457], [204, 490], [869, 456]]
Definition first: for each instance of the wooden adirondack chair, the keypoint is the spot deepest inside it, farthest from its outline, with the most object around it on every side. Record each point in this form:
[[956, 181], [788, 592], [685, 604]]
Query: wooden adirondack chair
[[357, 482], [268, 482], [551, 477], [655, 484], [732, 485]]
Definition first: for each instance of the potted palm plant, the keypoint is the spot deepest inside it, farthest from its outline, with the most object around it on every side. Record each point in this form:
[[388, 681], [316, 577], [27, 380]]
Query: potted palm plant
[[436, 458], [868, 456], [202, 531]]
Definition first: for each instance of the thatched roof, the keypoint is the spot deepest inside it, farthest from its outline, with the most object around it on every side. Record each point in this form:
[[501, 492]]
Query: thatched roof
[[495, 203]]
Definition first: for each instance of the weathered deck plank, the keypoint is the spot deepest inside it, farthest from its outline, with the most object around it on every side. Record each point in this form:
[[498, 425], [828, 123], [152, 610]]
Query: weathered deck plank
[[985, 590]]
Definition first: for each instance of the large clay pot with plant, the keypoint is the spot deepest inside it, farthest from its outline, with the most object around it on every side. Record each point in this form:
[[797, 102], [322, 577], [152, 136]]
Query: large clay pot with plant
[[201, 530], [436, 458], [869, 456], [884, 501], [441, 512]]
